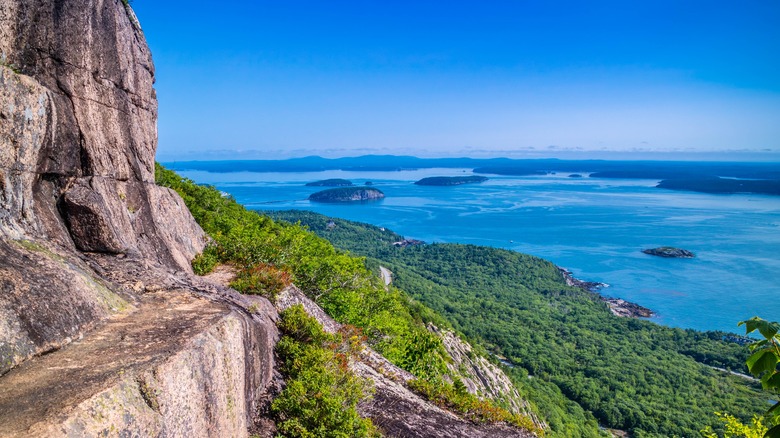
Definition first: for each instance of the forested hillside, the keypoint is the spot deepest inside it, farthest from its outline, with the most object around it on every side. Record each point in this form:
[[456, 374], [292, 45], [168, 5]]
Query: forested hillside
[[630, 374]]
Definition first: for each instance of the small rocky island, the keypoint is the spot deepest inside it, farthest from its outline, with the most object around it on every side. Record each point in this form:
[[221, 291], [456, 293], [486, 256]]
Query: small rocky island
[[347, 194], [670, 252], [333, 182], [450, 180]]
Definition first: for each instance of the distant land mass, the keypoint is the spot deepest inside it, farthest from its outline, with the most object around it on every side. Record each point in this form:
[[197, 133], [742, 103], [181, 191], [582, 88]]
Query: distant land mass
[[333, 182], [530, 169], [723, 185], [347, 194], [450, 180], [707, 177]]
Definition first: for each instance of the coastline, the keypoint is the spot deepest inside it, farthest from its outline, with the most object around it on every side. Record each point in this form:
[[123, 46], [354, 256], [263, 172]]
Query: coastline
[[618, 306]]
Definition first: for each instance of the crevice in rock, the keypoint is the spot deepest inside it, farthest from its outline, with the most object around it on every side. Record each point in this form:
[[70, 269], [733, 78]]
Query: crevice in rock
[[54, 177], [97, 77], [82, 152], [149, 394], [50, 350], [103, 104]]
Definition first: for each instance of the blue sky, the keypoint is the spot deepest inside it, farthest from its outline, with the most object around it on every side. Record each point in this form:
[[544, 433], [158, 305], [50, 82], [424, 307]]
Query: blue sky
[[257, 79]]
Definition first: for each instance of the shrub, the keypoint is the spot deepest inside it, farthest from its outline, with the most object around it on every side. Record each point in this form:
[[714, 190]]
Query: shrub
[[262, 279], [205, 262], [456, 398], [736, 429], [321, 394]]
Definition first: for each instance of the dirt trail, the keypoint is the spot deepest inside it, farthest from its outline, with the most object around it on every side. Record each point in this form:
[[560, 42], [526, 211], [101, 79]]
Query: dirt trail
[[387, 275]]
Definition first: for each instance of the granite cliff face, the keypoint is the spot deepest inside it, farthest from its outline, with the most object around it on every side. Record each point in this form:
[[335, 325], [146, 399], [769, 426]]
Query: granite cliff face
[[79, 132], [481, 377], [104, 329]]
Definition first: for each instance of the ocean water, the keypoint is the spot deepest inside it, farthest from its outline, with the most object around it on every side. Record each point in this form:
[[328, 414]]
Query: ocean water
[[594, 227]]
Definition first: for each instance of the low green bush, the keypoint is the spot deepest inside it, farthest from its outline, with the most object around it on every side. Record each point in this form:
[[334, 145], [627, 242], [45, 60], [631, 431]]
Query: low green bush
[[261, 279], [455, 397], [321, 394]]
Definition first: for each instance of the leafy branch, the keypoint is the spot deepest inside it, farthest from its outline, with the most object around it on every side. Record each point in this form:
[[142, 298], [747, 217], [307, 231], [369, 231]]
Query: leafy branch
[[763, 363]]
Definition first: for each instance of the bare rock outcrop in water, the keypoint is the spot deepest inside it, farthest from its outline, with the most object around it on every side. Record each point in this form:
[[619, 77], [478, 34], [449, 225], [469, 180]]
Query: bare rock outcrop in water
[[670, 252]]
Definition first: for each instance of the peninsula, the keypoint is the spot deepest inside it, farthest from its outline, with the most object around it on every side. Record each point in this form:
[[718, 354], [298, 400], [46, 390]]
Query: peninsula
[[347, 194]]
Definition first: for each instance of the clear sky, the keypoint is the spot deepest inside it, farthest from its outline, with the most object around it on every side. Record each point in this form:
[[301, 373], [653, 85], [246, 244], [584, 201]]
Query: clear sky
[[262, 79]]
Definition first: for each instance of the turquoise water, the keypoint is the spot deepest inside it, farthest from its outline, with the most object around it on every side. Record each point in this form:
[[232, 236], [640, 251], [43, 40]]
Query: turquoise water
[[594, 227]]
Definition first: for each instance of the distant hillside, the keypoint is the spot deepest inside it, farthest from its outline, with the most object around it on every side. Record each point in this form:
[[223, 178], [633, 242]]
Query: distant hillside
[[723, 185], [708, 177]]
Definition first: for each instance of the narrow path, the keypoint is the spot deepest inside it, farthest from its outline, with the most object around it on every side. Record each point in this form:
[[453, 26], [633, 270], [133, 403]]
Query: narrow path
[[387, 275], [734, 373]]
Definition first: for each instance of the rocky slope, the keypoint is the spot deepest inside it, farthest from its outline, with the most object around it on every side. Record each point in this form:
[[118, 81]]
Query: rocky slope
[[480, 376], [104, 330]]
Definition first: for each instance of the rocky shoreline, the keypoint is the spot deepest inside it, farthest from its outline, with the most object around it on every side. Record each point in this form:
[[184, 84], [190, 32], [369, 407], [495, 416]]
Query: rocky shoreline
[[618, 306]]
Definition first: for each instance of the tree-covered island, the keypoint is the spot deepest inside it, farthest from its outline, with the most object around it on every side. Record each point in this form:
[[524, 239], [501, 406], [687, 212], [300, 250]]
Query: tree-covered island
[[450, 180]]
